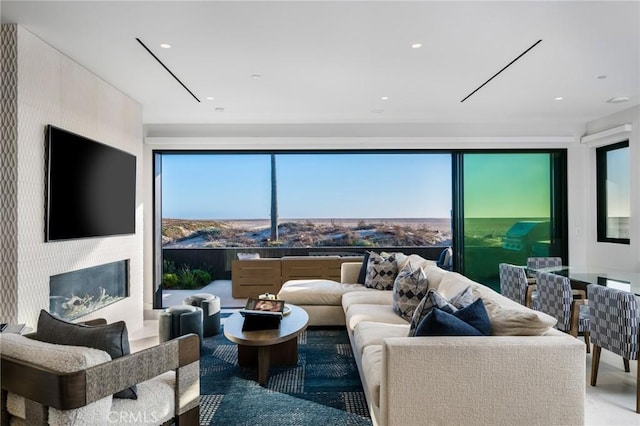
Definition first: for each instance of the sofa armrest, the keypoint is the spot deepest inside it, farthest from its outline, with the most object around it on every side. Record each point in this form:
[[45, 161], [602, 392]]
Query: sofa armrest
[[498, 380], [349, 272]]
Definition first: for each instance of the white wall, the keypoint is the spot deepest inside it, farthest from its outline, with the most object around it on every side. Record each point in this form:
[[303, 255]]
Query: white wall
[[609, 255], [53, 89]]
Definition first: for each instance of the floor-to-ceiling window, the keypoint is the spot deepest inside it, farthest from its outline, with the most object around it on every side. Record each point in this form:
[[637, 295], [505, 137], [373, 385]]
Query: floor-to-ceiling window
[[279, 203], [491, 206], [512, 207]]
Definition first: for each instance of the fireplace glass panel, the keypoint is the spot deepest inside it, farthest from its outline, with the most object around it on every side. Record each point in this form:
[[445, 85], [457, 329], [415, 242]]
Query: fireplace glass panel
[[78, 293]]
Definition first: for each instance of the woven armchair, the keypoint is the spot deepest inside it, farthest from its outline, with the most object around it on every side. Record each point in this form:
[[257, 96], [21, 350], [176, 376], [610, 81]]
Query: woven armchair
[[41, 393]]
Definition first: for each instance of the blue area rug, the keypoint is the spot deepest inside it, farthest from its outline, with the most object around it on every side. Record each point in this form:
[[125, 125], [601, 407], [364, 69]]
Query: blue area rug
[[323, 389]]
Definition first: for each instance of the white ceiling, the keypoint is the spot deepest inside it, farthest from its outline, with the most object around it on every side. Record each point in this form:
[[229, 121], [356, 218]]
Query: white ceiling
[[331, 62]]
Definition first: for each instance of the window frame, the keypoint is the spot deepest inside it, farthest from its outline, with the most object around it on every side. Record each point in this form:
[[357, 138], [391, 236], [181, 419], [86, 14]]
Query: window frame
[[559, 200], [601, 193]]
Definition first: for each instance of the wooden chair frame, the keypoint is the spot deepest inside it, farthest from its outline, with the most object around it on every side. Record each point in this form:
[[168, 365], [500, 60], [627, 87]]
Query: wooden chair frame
[[43, 388]]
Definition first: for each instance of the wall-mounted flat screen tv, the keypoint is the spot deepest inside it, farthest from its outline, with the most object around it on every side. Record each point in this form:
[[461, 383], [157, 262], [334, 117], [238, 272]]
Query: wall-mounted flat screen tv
[[91, 188]]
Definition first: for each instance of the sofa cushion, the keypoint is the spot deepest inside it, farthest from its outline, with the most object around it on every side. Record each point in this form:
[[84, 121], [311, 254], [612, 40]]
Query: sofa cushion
[[381, 271], [441, 323], [416, 262], [433, 299], [368, 333], [509, 318], [60, 358], [156, 395], [409, 288], [373, 297], [317, 292], [372, 371], [248, 256], [453, 283], [371, 313], [111, 338]]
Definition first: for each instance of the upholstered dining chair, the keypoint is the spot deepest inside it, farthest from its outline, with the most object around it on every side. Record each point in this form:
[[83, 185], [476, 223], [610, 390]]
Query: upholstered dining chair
[[514, 285], [534, 263], [555, 298], [615, 326], [543, 262]]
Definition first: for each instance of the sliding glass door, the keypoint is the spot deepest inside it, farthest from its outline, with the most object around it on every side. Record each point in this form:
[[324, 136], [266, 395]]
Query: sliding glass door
[[513, 207]]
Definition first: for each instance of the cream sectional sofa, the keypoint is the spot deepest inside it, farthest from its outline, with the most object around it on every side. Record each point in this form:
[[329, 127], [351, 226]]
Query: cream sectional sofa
[[525, 373]]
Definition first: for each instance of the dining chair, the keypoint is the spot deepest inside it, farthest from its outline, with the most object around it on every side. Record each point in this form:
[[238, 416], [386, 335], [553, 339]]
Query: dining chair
[[514, 285], [615, 326], [555, 298], [534, 263], [543, 262]]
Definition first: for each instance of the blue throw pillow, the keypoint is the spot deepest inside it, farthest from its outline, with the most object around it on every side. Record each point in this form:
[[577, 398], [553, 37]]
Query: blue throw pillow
[[476, 316], [434, 299], [363, 269], [441, 323]]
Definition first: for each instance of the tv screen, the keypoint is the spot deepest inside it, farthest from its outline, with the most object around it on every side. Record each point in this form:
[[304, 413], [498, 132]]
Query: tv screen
[[91, 188]]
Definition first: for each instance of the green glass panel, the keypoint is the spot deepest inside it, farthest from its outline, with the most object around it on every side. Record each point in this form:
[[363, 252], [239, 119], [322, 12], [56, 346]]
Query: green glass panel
[[507, 211]]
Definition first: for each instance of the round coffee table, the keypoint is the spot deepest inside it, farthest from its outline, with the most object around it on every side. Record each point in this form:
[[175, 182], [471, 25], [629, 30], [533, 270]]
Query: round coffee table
[[266, 348]]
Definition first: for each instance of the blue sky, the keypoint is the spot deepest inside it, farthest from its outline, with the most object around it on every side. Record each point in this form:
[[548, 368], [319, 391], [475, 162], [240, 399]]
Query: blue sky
[[618, 183], [238, 186]]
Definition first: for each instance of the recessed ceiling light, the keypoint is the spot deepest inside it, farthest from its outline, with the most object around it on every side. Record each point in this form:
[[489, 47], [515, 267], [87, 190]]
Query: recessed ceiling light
[[165, 46], [385, 98], [601, 77], [256, 76], [219, 109], [210, 98], [559, 98], [416, 45], [618, 100]]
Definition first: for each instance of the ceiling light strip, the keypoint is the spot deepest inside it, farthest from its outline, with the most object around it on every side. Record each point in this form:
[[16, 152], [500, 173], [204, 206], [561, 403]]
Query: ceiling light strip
[[168, 70], [506, 66]]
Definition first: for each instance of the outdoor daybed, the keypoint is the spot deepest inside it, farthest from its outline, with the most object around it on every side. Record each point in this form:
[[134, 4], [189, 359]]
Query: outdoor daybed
[[524, 372]]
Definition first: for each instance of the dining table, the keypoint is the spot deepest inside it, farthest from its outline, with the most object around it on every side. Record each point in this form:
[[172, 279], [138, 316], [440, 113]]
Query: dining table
[[582, 276]]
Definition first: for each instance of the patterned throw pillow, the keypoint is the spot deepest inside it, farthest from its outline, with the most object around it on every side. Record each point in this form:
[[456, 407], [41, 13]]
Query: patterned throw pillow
[[409, 289], [434, 300], [381, 271]]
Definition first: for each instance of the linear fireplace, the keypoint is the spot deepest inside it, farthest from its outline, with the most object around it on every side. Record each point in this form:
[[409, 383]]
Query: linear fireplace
[[77, 293]]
